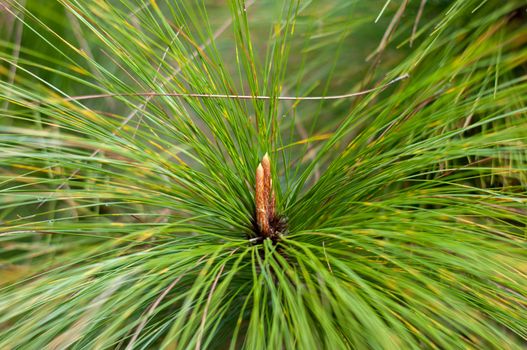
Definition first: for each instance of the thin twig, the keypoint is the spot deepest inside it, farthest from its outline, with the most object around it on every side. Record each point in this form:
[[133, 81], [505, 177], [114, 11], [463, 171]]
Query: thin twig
[[154, 81], [83, 43], [151, 311], [209, 299], [16, 48], [327, 260], [152, 307], [389, 31], [242, 97], [417, 19], [476, 162]]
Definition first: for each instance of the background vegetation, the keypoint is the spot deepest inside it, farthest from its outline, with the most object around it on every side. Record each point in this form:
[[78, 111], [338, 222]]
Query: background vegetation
[[126, 217]]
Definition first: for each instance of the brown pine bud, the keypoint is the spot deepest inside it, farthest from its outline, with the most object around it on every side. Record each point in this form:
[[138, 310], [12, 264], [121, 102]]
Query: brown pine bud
[[266, 164], [262, 218]]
